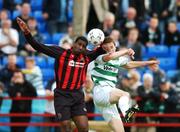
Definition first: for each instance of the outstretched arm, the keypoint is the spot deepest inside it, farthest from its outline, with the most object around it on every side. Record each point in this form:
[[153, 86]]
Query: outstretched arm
[[136, 64], [53, 51], [112, 56]]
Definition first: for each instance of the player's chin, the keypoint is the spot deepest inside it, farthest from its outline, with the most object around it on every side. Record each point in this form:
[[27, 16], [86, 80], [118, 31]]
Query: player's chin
[[77, 52]]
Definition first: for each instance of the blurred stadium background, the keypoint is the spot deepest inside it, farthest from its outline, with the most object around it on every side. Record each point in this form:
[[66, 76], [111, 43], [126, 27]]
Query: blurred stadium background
[[150, 27]]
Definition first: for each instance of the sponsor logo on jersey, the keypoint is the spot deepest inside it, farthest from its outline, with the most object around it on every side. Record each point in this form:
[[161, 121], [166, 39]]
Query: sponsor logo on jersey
[[76, 64], [109, 68]]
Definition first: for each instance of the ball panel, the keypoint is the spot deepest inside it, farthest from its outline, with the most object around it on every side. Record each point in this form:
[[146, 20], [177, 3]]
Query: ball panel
[[95, 36]]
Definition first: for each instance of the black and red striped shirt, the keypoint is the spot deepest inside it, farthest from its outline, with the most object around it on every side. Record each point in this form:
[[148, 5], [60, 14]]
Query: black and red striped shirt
[[70, 69]]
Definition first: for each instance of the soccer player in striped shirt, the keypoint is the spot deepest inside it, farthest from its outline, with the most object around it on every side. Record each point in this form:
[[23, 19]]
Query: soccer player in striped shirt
[[70, 72], [104, 76]]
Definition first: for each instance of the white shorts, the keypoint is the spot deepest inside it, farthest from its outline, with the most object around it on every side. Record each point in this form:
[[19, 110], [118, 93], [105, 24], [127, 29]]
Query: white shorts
[[101, 96]]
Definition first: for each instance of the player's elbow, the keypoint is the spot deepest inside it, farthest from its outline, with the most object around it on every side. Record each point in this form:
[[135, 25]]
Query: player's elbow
[[107, 58]]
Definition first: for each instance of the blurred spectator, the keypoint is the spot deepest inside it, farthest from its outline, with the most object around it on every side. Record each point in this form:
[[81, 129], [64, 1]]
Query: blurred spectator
[[172, 35], [152, 36], [108, 23], [157, 74], [168, 102], [24, 47], [113, 6], [139, 5], [3, 16], [68, 37], [176, 86], [25, 14], [148, 102], [12, 5], [50, 105], [132, 42], [178, 59], [66, 44], [163, 10], [178, 10], [134, 79], [7, 71], [33, 74], [9, 38], [97, 10], [19, 87], [116, 36], [55, 13], [1, 93], [129, 21], [125, 84]]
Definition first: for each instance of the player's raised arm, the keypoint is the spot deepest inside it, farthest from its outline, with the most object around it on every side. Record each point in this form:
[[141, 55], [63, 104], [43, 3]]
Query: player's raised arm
[[136, 64], [115, 55], [53, 51]]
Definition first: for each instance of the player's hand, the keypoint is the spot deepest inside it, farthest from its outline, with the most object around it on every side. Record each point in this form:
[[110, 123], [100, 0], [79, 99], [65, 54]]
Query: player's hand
[[23, 26], [154, 65], [131, 53]]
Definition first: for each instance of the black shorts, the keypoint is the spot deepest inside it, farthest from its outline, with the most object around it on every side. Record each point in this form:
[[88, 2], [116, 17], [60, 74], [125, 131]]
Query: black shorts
[[69, 104]]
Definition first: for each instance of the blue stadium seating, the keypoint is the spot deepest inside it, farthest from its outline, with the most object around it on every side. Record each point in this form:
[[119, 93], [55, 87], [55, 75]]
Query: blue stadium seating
[[178, 26], [41, 62], [1, 2], [158, 51], [15, 14], [144, 51], [56, 37], [171, 73], [70, 11], [17, 1], [46, 38], [38, 16], [9, 14], [20, 61], [174, 50], [50, 62], [168, 63], [48, 73], [36, 4], [41, 27]]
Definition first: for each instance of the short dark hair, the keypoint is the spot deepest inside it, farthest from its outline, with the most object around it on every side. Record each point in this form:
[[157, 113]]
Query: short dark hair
[[82, 38], [172, 21], [32, 19], [152, 58], [108, 40]]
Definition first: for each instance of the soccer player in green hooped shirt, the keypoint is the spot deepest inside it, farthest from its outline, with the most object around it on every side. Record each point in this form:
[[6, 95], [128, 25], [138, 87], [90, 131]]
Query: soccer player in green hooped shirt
[[104, 76]]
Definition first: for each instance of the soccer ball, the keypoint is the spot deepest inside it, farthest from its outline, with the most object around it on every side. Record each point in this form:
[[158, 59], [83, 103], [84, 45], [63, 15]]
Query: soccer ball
[[95, 36]]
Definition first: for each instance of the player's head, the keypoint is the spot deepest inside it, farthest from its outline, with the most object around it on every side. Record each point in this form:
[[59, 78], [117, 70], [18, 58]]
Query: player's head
[[79, 45], [108, 45]]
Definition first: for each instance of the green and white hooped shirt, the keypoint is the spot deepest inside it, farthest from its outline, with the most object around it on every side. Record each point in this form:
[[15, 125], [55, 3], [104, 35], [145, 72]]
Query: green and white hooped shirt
[[105, 73]]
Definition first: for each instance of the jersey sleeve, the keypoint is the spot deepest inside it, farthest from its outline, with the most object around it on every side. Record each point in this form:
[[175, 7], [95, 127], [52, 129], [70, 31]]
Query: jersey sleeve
[[92, 55], [53, 51], [99, 59]]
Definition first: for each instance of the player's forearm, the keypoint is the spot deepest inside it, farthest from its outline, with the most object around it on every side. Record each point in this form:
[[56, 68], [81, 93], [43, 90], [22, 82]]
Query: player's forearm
[[112, 56], [37, 46], [136, 64]]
